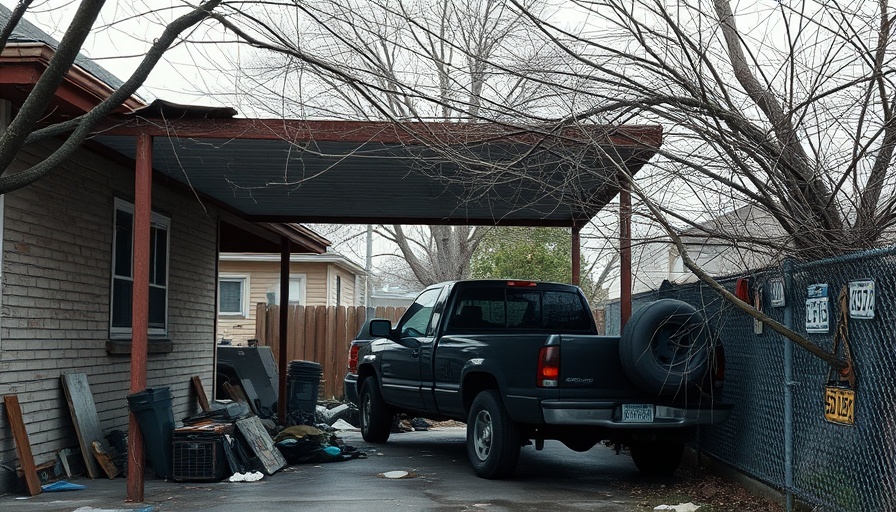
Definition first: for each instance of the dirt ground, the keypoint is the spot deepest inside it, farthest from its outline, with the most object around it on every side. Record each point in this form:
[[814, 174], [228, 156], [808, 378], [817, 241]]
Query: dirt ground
[[700, 487]]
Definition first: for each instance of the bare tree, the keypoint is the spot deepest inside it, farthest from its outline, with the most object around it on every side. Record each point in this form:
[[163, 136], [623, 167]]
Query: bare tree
[[25, 128], [783, 107], [410, 60]]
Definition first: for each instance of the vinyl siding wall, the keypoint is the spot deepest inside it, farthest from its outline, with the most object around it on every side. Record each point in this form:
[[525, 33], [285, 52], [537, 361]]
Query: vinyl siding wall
[[265, 275], [56, 277]]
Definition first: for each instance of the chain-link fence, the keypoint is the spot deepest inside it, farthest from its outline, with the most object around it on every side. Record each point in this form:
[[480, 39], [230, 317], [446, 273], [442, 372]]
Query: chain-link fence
[[777, 432]]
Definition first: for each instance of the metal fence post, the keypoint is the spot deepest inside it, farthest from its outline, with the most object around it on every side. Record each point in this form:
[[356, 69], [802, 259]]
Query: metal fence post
[[788, 385]]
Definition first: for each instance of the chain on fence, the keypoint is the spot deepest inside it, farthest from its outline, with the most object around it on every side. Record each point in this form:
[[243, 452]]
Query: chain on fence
[[778, 431]]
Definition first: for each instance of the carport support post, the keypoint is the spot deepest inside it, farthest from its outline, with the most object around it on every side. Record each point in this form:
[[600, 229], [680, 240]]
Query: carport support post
[[576, 256], [140, 308], [284, 325], [625, 257]]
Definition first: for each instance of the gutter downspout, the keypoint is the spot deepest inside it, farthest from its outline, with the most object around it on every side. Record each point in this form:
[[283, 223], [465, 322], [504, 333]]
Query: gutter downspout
[[140, 308]]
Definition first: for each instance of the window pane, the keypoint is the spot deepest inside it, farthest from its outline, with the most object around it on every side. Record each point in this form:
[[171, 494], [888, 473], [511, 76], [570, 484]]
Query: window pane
[[124, 237], [523, 309], [295, 291], [159, 268], [121, 302], [416, 318], [157, 301], [231, 296], [564, 311]]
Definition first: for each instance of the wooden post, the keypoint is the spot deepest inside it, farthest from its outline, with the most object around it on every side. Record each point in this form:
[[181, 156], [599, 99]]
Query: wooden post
[[284, 328], [140, 311]]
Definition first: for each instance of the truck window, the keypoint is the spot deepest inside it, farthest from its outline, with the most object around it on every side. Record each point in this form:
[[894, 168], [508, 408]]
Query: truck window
[[566, 312], [481, 309], [416, 320]]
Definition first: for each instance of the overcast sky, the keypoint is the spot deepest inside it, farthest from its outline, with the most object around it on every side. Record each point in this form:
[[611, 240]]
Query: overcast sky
[[123, 34]]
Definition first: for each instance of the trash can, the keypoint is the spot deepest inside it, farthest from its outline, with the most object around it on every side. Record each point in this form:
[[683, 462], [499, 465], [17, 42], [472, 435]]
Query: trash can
[[152, 407], [302, 382]]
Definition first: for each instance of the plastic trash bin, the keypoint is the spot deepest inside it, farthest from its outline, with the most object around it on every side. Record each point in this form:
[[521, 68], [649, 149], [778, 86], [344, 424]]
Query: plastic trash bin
[[152, 407], [302, 382]]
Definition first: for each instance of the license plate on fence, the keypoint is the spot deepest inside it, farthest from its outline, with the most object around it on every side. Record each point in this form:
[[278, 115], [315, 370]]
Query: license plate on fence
[[840, 405], [637, 413]]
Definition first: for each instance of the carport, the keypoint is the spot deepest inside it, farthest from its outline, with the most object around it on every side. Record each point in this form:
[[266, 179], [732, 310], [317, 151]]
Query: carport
[[291, 171]]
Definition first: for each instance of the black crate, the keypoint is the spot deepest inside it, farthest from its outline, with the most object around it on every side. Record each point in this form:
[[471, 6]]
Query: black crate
[[199, 457]]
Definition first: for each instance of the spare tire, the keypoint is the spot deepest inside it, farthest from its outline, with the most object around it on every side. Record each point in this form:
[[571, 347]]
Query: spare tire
[[664, 348]]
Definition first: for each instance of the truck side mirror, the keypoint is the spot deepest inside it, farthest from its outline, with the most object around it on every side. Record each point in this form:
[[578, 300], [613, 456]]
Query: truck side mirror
[[380, 328]]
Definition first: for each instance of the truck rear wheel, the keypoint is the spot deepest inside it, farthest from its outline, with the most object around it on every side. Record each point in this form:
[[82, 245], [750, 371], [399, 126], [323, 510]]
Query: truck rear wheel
[[493, 443], [657, 458], [376, 418], [664, 347]]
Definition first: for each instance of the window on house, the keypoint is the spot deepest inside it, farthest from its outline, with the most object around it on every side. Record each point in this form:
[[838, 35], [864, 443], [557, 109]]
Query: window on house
[[232, 295], [123, 272], [296, 292], [338, 290]]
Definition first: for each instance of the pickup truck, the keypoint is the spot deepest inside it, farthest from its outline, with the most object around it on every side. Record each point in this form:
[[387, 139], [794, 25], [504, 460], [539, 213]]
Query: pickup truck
[[521, 362]]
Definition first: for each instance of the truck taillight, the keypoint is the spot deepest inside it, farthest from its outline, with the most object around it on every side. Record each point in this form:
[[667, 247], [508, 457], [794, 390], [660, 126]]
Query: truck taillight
[[353, 359], [548, 367]]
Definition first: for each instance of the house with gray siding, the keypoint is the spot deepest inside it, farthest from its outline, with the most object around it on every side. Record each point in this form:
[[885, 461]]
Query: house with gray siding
[[68, 270]]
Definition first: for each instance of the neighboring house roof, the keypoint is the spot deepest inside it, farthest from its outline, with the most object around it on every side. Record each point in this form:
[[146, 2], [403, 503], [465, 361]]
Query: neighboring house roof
[[331, 257], [25, 32], [745, 226], [27, 54], [742, 239]]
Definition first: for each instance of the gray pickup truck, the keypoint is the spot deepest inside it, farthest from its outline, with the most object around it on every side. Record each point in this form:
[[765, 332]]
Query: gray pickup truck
[[521, 361]]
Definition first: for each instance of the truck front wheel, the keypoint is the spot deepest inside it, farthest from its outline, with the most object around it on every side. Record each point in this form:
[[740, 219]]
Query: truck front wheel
[[493, 443], [657, 458], [376, 418]]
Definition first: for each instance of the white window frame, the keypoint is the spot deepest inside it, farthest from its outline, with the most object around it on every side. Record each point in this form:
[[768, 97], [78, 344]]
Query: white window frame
[[244, 292], [157, 221], [302, 281]]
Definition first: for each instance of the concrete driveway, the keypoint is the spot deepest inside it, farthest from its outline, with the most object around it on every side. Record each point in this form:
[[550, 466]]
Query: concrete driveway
[[440, 480]]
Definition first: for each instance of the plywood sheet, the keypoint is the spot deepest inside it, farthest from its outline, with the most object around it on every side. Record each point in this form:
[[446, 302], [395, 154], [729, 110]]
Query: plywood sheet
[[87, 425], [261, 444]]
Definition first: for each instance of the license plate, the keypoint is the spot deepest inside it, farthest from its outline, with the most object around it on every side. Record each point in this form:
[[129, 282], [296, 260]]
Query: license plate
[[840, 405], [637, 413]]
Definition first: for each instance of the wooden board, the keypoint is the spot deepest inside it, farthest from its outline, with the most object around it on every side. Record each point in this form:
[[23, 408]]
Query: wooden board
[[87, 425], [104, 459], [200, 393], [23, 446], [261, 444]]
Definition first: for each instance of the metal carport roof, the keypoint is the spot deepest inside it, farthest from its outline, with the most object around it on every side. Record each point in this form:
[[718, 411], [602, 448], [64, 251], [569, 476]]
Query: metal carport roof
[[276, 170]]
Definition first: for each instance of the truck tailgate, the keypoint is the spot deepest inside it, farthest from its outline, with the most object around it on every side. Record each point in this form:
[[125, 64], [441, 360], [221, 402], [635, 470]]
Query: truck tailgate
[[590, 368]]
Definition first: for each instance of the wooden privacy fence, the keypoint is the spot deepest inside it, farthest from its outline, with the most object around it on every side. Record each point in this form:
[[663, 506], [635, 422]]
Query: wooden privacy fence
[[321, 334]]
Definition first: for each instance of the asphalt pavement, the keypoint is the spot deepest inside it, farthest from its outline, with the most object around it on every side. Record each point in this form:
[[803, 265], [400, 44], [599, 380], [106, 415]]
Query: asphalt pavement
[[439, 478]]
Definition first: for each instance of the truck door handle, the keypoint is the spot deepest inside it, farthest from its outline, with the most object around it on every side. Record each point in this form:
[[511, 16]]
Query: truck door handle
[[416, 352]]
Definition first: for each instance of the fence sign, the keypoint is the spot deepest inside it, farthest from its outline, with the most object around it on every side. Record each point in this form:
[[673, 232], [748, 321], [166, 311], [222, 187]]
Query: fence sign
[[776, 292], [817, 308], [861, 299]]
